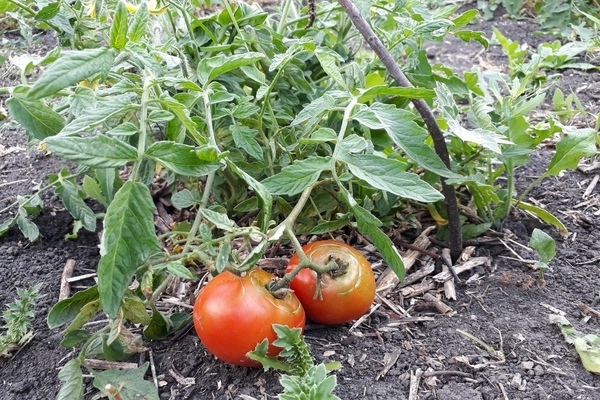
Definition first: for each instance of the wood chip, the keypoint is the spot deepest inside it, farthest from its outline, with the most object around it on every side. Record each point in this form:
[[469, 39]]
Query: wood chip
[[472, 263], [389, 360], [417, 289], [588, 310], [415, 380], [591, 186], [81, 277], [103, 364], [439, 305], [65, 289]]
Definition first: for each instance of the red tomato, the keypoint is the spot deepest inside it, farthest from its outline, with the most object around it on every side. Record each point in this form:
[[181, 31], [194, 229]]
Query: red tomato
[[232, 314], [345, 297]]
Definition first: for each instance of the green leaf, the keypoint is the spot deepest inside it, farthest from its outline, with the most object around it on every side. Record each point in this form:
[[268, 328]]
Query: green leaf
[[369, 225], [134, 310], [223, 256], [6, 225], [542, 214], [72, 378], [219, 220], [330, 226], [587, 346], [543, 244], [576, 143], [296, 177], [104, 111], [314, 385], [48, 12], [185, 198], [212, 67], [328, 60], [384, 90], [87, 312], [260, 354], [245, 139], [28, 228], [159, 326], [69, 194], [75, 338], [67, 310], [179, 270], [39, 120], [128, 239], [264, 196], [128, 383], [387, 174], [181, 159], [97, 152], [125, 129], [183, 117], [92, 189], [138, 26], [253, 257], [405, 133], [70, 68], [118, 29]]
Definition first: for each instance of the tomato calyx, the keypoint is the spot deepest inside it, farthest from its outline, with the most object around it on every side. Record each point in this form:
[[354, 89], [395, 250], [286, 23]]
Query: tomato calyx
[[334, 267], [278, 292]]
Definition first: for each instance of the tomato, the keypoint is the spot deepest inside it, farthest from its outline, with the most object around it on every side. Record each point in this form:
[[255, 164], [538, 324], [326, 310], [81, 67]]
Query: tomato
[[232, 314], [345, 297]]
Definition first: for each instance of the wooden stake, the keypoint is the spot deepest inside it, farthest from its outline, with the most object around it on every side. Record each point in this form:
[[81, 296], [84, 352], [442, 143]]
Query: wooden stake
[[65, 289]]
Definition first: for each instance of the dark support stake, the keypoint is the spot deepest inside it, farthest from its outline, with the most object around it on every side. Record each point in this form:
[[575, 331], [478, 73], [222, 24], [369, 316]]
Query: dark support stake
[[439, 142]]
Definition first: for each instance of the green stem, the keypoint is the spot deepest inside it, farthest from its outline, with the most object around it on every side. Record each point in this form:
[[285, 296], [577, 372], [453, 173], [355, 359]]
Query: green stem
[[531, 186], [141, 149], [41, 190], [284, 14], [31, 11]]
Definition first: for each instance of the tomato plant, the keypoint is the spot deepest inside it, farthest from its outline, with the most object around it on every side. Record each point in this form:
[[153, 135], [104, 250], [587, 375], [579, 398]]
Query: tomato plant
[[344, 294], [232, 314]]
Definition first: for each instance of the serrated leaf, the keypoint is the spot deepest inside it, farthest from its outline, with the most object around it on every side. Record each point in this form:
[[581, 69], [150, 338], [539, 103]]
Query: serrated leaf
[[221, 221], [137, 29], [387, 174], [104, 111], [28, 228], [118, 29], [185, 198], [296, 177], [328, 60], [125, 129], [97, 152], [69, 194], [70, 68], [369, 225], [543, 244], [179, 270], [48, 12], [39, 120], [67, 310], [128, 239], [72, 378], [405, 133], [129, 383], [81, 100], [330, 226], [576, 143], [223, 256], [181, 159], [245, 139], [212, 67], [265, 198], [92, 189]]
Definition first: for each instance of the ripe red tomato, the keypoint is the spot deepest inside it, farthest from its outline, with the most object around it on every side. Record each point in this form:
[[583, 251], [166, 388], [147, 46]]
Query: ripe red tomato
[[232, 314], [344, 297]]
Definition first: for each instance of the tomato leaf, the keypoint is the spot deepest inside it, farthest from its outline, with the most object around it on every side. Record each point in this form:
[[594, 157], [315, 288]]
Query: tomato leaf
[[543, 244], [48, 12], [159, 326], [129, 384], [221, 221], [185, 198], [92, 188], [244, 138], [69, 194], [96, 152], [576, 143], [87, 312], [138, 26], [134, 310], [75, 338], [296, 177], [128, 238], [118, 29], [181, 159], [223, 256], [211, 67], [39, 120], [265, 198], [68, 309], [102, 112], [387, 174], [177, 269], [542, 214], [70, 68], [27, 228], [72, 378]]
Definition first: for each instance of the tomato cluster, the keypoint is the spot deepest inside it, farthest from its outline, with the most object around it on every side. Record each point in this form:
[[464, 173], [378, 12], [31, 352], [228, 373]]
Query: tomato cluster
[[232, 313]]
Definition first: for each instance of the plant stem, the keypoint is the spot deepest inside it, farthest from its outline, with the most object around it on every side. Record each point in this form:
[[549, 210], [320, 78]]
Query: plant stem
[[141, 148], [31, 11], [439, 143], [284, 14]]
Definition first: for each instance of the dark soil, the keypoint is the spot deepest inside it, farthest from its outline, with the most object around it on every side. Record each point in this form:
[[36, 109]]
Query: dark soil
[[501, 305]]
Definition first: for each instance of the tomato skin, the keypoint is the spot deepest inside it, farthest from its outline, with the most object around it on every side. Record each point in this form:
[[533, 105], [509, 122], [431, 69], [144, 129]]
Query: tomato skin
[[232, 314], [344, 298]]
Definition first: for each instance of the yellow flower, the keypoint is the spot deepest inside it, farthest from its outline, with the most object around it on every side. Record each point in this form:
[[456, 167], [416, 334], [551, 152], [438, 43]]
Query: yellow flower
[[152, 7], [91, 8], [95, 84]]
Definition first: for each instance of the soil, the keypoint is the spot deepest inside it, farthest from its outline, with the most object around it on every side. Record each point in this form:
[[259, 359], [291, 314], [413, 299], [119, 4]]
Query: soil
[[502, 305]]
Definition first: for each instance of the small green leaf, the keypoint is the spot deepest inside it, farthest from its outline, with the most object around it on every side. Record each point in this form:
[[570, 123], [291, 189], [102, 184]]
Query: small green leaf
[[576, 143], [181, 159], [137, 29], [385, 90], [223, 256], [212, 67], [6, 225], [87, 312], [72, 378], [67, 310], [296, 177], [102, 112], [70, 68], [542, 214], [75, 338], [221, 221], [543, 244], [328, 60], [159, 326], [48, 12], [330, 226], [134, 310], [125, 129], [128, 239], [185, 198], [265, 198], [28, 228], [69, 194], [97, 152], [39, 120], [118, 29], [129, 383], [179, 270], [92, 189], [245, 139]]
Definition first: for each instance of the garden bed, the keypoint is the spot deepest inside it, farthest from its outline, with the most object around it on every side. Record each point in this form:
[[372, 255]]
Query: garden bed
[[499, 302]]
